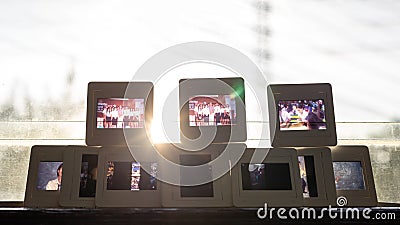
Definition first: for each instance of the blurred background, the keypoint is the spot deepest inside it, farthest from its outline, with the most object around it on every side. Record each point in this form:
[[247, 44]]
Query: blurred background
[[50, 50]]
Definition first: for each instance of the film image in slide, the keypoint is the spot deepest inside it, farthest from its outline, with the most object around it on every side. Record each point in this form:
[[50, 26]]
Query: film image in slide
[[302, 115], [120, 113], [212, 110]]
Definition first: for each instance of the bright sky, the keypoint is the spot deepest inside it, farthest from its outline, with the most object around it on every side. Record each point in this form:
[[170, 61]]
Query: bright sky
[[41, 41]]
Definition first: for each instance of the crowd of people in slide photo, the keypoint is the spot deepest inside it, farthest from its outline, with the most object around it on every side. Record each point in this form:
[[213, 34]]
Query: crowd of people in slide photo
[[302, 115], [120, 113], [212, 110]]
